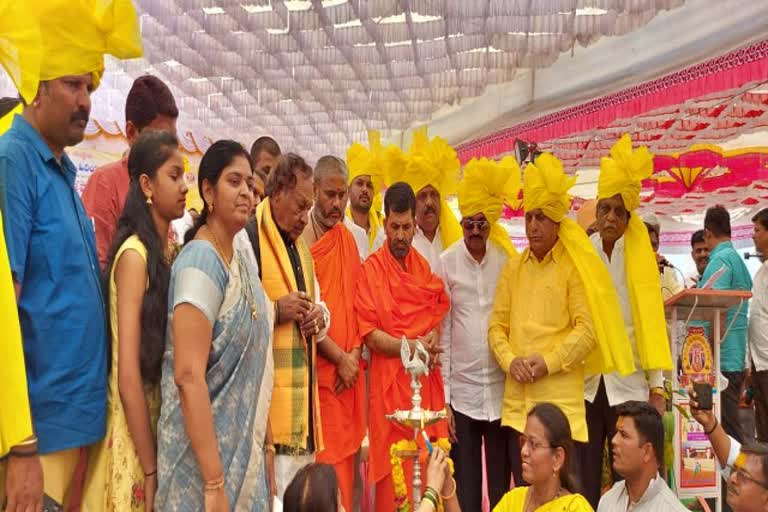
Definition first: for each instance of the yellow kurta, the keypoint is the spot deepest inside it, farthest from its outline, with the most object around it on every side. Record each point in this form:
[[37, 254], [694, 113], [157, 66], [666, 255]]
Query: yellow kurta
[[514, 501], [541, 307]]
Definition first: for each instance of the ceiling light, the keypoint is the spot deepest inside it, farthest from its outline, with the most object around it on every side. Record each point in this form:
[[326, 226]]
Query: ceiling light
[[256, 9], [333, 3], [590, 11], [348, 24], [297, 5], [172, 63], [198, 80], [277, 31], [397, 43], [213, 10]]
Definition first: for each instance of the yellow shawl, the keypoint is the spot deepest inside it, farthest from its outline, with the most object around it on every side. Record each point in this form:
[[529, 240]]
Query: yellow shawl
[[546, 187], [622, 174], [290, 397], [485, 188]]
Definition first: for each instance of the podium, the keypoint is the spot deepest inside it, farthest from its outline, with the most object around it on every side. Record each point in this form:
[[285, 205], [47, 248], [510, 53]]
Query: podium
[[696, 357]]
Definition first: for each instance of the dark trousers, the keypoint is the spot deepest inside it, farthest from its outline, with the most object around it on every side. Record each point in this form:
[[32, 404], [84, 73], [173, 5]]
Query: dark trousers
[[730, 405], [601, 427], [760, 390], [467, 458]]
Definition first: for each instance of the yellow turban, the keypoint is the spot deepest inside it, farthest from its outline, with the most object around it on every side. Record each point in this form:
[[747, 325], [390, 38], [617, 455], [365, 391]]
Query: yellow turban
[[21, 48], [433, 162], [546, 187], [373, 162], [622, 173], [485, 188], [77, 47]]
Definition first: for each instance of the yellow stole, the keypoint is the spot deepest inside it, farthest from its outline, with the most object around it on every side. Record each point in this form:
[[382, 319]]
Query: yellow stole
[[288, 415]]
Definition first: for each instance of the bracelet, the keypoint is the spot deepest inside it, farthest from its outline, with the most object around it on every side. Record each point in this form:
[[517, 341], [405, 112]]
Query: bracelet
[[717, 423], [431, 496], [28, 442], [658, 391], [270, 448], [214, 485], [277, 313], [23, 455], [151, 473], [453, 493]]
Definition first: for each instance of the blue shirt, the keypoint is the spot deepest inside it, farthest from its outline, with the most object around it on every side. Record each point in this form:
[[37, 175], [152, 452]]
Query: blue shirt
[[733, 349], [52, 251]]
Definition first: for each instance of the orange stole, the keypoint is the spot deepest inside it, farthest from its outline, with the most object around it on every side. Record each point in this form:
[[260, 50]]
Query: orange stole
[[401, 303], [337, 267]]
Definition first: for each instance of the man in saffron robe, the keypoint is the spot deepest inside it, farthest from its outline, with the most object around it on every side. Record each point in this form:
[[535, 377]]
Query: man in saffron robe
[[337, 267], [398, 296]]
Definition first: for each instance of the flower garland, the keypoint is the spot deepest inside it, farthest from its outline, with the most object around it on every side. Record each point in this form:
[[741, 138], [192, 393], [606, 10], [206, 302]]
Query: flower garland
[[398, 476]]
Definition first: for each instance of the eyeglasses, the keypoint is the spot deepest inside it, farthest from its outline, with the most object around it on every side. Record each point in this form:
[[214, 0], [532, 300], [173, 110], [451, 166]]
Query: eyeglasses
[[741, 474], [532, 444], [470, 225]]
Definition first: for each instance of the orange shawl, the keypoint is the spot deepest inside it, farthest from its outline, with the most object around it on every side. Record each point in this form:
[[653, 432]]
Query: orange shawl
[[337, 267], [406, 303]]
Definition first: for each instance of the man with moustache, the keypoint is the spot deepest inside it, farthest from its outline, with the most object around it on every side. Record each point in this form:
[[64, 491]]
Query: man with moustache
[[398, 296], [288, 276], [700, 256], [52, 249], [625, 249], [265, 153], [340, 380], [367, 169], [744, 467], [474, 383], [555, 315], [432, 171]]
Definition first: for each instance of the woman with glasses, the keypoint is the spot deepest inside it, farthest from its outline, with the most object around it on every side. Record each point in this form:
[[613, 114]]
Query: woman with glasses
[[745, 468], [546, 449]]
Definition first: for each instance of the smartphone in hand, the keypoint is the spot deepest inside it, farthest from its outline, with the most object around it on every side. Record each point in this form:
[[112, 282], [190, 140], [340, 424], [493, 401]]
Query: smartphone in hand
[[703, 395]]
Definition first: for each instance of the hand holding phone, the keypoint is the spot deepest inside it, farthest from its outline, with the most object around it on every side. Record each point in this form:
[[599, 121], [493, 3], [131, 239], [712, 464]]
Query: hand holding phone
[[703, 395]]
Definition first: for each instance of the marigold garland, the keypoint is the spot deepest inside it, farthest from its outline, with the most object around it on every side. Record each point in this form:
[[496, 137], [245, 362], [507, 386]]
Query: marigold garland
[[398, 476]]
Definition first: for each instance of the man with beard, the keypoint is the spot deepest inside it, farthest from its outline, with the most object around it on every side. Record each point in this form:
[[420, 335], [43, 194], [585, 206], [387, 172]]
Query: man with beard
[[555, 315], [474, 383], [432, 171], [744, 467], [288, 276], [398, 297], [625, 249], [340, 380], [52, 249], [367, 168], [700, 256]]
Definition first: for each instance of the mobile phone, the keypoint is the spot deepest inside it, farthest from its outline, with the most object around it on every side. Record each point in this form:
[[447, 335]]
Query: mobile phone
[[703, 395]]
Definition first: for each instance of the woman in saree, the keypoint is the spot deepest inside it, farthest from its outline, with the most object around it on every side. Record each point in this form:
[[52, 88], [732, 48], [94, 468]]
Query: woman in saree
[[546, 449], [214, 447]]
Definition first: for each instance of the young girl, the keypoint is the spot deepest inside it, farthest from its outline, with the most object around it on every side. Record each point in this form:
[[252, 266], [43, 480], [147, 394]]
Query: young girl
[[123, 471]]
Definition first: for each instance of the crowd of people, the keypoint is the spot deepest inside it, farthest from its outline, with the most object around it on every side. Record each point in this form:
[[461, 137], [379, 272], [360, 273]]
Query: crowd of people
[[249, 352]]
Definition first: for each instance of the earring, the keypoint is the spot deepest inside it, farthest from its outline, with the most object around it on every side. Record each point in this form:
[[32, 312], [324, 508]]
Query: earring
[[149, 200], [210, 208]]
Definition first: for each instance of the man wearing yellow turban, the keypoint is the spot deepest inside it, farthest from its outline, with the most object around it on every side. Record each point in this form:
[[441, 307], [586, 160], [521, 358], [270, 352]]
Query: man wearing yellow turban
[[432, 169], [367, 171], [556, 315], [474, 383], [623, 245], [50, 241]]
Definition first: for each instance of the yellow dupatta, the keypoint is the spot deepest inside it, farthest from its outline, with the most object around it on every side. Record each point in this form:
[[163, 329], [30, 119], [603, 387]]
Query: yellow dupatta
[[622, 174], [546, 187]]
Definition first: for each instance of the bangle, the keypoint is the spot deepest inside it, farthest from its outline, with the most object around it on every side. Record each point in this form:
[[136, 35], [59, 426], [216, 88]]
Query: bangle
[[28, 442], [270, 448], [151, 473], [658, 391], [453, 492], [713, 428], [277, 313], [215, 484], [431, 496]]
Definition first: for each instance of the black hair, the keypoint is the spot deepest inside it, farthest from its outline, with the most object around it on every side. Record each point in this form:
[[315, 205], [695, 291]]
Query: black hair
[[148, 98], [762, 218], [648, 424], [718, 221], [267, 144], [285, 175], [652, 228], [8, 104], [218, 157], [559, 435], [697, 238], [759, 450], [150, 151], [399, 198], [315, 488]]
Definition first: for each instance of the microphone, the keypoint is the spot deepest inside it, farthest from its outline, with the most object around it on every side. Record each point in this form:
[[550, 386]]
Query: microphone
[[758, 255]]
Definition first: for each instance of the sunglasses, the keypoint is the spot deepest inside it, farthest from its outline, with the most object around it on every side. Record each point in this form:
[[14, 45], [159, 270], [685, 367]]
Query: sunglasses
[[481, 225]]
